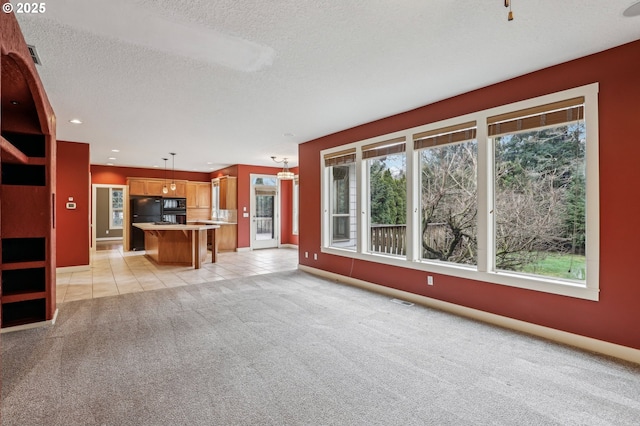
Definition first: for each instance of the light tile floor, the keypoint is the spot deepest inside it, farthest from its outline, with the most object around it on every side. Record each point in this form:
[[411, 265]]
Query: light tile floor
[[114, 271]]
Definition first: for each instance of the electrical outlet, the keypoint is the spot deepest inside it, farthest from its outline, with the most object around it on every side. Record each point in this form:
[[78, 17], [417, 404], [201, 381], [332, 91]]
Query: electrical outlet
[[306, 254], [315, 256], [429, 280]]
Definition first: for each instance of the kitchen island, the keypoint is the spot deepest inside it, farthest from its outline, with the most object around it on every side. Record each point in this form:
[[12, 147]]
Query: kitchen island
[[177, 244]]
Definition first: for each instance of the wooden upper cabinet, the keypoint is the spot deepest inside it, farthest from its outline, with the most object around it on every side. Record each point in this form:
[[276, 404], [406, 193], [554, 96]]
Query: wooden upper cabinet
[[136, 187], [192, 199], [228, 193], [203, 195], [153, 187], [198, 195]]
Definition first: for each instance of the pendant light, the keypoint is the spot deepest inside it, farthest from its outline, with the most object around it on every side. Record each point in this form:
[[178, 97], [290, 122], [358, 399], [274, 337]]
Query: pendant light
[[285, 174], [507, 3], [173, 167], [165, 190]]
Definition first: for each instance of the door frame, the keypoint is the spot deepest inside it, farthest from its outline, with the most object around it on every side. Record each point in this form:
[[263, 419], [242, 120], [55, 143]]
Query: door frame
[[125, 224], [252, 211]]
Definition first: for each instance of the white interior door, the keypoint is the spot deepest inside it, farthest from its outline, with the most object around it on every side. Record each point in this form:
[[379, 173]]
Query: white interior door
[[265, 222]]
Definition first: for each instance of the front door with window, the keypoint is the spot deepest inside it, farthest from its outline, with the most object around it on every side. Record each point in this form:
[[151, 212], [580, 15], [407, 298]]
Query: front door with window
[[264, 211]]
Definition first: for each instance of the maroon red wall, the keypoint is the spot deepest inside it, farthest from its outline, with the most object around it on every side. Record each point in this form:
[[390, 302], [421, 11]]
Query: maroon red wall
[[614, 318], [72, 225], [118, 175]]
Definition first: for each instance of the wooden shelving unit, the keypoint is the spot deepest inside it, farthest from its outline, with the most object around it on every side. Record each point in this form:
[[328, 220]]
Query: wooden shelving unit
[[27, 186]]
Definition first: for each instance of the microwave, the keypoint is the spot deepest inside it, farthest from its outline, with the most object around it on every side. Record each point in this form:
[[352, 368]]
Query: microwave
[[174, 204]]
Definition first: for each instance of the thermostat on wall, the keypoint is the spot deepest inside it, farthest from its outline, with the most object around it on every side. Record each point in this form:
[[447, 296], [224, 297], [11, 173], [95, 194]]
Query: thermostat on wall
[[71, 206]]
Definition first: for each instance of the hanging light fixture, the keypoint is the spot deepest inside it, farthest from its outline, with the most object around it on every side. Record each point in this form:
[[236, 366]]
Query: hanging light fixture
[[173, 167], [285, 174], [507, 3], [165, 190]]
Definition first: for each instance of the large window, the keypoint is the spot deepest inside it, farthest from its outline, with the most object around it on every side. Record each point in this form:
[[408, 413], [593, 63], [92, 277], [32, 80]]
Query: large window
[[540, 190], [448, 193], [341, 171], [386, 164], [295, 206], [507, 195]]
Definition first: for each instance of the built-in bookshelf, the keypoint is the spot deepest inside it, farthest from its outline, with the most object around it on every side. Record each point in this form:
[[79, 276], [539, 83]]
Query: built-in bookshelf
[[27, 186]]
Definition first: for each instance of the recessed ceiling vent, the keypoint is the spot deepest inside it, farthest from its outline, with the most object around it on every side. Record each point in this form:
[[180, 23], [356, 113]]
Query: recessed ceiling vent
[[34, 54]]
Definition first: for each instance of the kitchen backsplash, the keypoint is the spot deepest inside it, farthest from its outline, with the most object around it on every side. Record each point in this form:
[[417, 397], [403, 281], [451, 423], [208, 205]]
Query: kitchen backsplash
[[227, 215]]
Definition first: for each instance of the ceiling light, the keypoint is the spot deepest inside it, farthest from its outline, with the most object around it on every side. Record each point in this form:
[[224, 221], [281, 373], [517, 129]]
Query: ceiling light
[[165, 190], [288, 135], [285, 174], [75, 121], [115, 150], [109, 164], [633, 10], [112, 158], [173, 167], [507, 3]]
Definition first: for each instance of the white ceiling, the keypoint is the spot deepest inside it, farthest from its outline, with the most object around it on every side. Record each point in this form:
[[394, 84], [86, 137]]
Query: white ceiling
[[224, 82]]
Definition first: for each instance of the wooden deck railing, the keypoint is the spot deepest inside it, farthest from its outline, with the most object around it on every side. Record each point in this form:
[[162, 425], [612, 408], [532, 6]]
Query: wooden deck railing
[[389, 239]]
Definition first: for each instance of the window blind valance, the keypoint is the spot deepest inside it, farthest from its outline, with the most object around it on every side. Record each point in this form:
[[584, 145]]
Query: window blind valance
[[548, 115], [445, 135], [388, 147], [338, 158]]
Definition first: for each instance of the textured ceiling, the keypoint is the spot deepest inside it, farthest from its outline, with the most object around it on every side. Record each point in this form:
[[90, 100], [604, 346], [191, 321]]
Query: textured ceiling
[[224, 82]]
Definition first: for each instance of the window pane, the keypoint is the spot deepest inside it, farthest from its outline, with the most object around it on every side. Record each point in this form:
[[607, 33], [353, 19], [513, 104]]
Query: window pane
[[539, 205], [343, 206], [388, 204], [448, 220]]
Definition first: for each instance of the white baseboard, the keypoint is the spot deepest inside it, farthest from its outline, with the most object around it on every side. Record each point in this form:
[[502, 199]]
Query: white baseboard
[[243, 249], [109, 239], [32, 325], [293, 246], [582, 342], [69, 269]]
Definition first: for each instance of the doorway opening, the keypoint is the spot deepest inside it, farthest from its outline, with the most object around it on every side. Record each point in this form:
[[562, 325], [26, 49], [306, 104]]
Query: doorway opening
[[265, 211], [108, 213]]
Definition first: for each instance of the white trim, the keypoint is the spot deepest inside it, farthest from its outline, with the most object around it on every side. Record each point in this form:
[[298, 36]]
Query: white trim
[[485, 270], [243, 249], [293, 246], [31, 325], [69, 269], [94, 193], [571, 339], [109, 239]]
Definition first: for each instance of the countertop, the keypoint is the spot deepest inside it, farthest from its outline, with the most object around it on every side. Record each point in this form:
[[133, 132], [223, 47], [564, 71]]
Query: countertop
[[190, 227], [213, 222]]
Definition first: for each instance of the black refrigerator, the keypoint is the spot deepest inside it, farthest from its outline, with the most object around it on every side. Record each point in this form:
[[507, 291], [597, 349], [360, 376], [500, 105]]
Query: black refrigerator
[[143, 209]]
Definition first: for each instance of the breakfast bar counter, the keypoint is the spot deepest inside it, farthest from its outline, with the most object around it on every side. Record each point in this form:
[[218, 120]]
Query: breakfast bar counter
[[174, 244]]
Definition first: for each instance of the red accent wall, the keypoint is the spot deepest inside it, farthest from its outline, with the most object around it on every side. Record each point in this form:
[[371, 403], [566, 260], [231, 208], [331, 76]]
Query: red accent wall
[[116, 175], [614, 318], [72, 226], [243, 173]]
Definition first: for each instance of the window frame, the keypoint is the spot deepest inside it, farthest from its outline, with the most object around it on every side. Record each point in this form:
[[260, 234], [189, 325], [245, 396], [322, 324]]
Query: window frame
[[485, 270], [295, 205], [112, 209]]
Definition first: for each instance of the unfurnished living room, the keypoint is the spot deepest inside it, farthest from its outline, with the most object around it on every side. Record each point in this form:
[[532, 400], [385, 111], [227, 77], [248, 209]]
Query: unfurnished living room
[[319, 213]]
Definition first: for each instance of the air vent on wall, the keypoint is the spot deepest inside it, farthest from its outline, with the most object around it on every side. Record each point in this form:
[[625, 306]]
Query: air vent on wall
[[34, 54]]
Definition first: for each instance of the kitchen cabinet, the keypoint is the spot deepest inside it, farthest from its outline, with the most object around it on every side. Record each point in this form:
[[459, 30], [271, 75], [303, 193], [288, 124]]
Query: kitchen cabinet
[[27, 187], [198, 201], [153, 187], [228, 193], [198, 195]]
